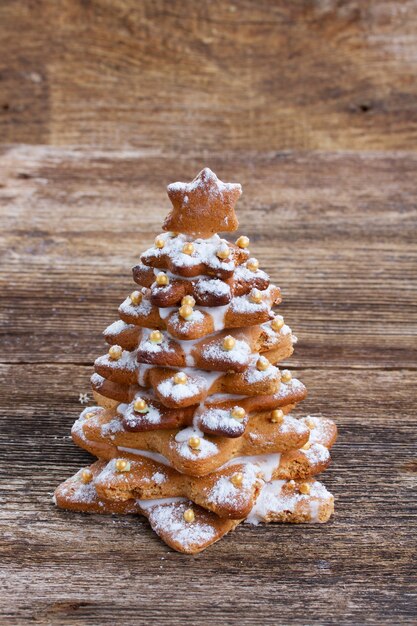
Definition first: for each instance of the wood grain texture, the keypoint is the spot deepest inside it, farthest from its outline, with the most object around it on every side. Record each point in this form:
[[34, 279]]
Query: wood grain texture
[[337, 232], [213, 74]]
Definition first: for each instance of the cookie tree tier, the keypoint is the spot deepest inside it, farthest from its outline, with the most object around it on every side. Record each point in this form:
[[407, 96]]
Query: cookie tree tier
[[193, 426]]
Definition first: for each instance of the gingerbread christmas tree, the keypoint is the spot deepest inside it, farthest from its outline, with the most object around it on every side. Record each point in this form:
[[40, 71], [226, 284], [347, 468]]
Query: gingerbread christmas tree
[[193, 426]]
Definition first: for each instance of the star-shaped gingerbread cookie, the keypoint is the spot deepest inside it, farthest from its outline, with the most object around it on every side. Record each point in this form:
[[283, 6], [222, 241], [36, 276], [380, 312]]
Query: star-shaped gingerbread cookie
[[203, 207]]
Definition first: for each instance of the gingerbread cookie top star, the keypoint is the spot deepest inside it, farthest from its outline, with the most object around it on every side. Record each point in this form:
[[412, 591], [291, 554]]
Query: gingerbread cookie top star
[[203, 207]]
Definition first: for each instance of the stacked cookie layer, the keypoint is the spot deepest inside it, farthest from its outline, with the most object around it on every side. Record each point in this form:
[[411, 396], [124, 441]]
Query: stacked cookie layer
[[193, 424]]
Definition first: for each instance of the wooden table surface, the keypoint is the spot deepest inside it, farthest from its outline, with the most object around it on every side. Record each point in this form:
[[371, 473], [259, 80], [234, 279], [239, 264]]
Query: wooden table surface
[[312, 107]]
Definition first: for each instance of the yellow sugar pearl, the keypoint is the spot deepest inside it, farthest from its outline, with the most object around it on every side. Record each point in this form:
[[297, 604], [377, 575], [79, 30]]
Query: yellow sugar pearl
[[252, 264], [162, 279], [189, 515], [156, 336], [186, 311], [188, 248], [223, 252], [237, 479], [122, 465], [136, 297], [310, 423], [159, 242], [306, 446], [115, 352], [242, 242], [255, 296], [238, 413], [180, 378], [194, 443], [277, 416], [140, 405], [188, 300], [277, 323], [86, 476], [229, 342], [262, 364], [304, 488], [89, 415], [286, 376]]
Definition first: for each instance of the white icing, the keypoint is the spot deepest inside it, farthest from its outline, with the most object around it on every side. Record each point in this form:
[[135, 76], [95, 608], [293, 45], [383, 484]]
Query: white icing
[[155, 456], [187, 347], [266, 464], [146, 505], [217, 314], [165, 312], [142, 370]]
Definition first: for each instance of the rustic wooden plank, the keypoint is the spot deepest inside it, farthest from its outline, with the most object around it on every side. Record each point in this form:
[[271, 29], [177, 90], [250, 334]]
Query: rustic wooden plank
[[69, 568], [74, 221], [210, 75]]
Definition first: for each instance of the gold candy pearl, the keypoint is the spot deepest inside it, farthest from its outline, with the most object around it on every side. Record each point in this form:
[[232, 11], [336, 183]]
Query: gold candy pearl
[[242, 242], [159, 242], [255, 296], [194, 443], [229, 342], [162, 279], [186, 311], [238, 413], [306, 446], [86, 476], [140, 405], [136, 297], [115, 352], [252, 264], [180, 378], [262, 364], [237, 479], [304, 488], [156, 336], [122, 465], [188, 300], [310, 423], [223, 252], [189, 515], [277, 416], [286, 376], [89, 415], [277, 323], [188, 248]]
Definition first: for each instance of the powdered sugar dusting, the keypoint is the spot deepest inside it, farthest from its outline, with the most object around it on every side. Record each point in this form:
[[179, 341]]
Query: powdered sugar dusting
[[167, 519]]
